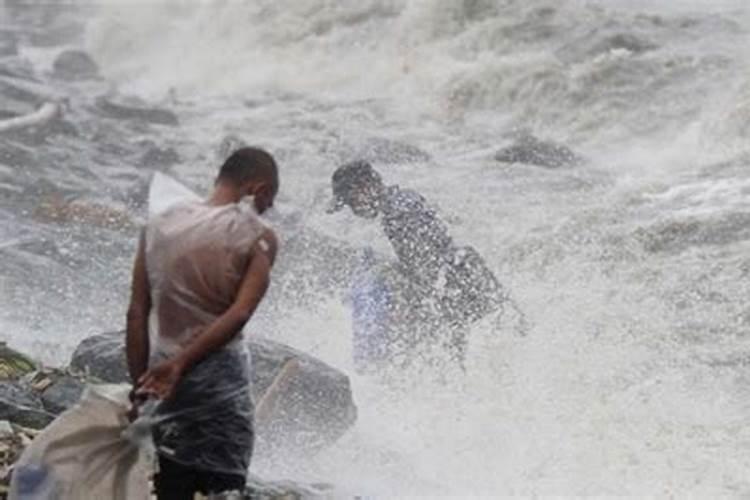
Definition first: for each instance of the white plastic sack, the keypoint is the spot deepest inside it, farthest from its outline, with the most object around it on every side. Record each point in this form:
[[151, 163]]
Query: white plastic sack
[[90, 452]]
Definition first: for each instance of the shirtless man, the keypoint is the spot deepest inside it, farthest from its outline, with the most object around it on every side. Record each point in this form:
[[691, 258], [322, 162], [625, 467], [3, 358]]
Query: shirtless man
[[200, 272]]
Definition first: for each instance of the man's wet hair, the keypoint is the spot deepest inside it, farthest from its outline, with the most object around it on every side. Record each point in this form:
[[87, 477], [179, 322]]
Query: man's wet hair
[[354, 175], [249, 164]]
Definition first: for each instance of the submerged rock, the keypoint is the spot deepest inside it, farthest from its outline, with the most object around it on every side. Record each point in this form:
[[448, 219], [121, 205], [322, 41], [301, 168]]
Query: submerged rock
[[22, 406], [379, 150], [680, 235], [125, 111], [156, 157], [531, 151], [306, 405], [624, 41], [75, 65]]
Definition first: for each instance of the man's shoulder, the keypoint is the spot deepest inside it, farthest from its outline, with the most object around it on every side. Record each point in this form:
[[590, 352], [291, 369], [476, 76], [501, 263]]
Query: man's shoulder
[[404, 200]]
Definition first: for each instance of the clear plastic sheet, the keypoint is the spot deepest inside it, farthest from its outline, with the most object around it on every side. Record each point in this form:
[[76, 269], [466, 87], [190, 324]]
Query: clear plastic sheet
[[196, 257], [208, 422]]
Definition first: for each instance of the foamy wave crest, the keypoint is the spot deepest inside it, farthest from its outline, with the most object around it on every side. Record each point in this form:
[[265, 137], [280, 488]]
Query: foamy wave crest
[[556, 66]]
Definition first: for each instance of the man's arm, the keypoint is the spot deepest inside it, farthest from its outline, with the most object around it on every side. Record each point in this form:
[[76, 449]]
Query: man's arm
[[136, 342], [162, 379]]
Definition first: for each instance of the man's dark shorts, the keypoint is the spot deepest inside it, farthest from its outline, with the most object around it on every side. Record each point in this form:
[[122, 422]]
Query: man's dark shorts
[[206, 427]]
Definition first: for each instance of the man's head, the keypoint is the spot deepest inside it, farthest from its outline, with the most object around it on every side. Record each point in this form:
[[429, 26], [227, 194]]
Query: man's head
[[358, 186], [251, 172]]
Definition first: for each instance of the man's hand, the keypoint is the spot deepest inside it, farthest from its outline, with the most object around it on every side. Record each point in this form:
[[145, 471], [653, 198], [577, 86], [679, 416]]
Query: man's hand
[[161, 380]]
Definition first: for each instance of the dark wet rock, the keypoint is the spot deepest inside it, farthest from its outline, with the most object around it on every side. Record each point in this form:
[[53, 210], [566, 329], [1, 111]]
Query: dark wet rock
[[260, 489], [379, 150], [314, 406], [156, 157], [679, 235], [102, 357], [20, 405], [624, 41], [75, 65], [531, 151], [310, 408], [63, 392], [136, 112]]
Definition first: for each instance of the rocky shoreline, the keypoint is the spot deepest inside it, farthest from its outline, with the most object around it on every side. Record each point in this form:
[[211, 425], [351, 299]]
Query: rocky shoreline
[[298, 397]]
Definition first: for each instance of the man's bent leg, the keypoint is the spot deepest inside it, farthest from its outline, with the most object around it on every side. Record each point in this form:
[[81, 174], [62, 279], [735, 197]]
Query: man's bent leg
[[175, 481]]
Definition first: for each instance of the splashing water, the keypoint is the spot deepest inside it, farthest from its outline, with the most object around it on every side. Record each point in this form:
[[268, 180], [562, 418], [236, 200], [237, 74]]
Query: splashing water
[[630, 267]]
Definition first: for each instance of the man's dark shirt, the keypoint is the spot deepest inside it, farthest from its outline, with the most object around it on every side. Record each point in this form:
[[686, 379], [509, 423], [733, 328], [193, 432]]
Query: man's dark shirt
[[457, 277]]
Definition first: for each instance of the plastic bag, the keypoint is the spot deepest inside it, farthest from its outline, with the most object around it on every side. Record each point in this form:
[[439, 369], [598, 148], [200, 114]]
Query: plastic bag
[[90, 452]]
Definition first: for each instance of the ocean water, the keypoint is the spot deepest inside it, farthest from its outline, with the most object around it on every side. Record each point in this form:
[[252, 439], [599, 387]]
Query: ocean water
[[631, 268]]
